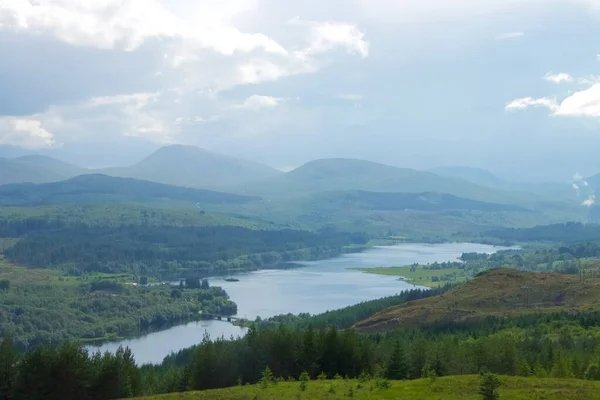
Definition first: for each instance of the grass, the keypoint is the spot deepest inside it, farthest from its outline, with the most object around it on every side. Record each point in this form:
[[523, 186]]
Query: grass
[[445, 388], [18, 275], [419, 275]]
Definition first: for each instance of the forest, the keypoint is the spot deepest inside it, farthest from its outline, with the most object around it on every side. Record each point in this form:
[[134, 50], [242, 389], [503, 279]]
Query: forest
[[537, 346], [54, 313], [161, 250], [569, 232]]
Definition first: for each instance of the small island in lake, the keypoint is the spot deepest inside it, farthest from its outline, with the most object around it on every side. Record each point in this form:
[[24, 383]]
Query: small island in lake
[[231, 280]]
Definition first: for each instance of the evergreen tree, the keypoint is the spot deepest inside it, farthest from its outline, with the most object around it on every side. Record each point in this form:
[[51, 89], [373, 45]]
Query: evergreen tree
[[488, 387], [8, 368], [397, 367]]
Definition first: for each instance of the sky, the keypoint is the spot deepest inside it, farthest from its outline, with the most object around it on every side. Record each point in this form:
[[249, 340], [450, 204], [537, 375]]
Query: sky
[[509, 86]]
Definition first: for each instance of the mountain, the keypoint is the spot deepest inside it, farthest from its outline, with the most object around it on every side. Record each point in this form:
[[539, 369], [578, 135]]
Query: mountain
[[350, 174], [195, 167], [36, 169], [476, 175], [497, 292], [100, 189]]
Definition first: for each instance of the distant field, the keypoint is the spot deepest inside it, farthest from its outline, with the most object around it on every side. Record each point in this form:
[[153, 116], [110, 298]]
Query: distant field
[[419, 275], [22, 275], [446, 388]]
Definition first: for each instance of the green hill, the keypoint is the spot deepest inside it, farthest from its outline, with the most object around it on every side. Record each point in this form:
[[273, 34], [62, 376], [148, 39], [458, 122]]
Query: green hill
[[192, 166], [36, 169], [101, 189], [349, 174], [498, 292], [444, 388]]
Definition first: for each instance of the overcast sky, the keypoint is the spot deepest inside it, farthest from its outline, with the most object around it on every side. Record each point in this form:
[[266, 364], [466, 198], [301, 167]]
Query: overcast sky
[[508, 85]]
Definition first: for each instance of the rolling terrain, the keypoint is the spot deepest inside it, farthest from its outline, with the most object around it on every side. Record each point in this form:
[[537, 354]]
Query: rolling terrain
[[98, 189], [497, 292]]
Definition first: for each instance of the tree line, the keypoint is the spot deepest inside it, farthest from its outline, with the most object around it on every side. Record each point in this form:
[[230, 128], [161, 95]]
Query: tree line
[[539, 346]]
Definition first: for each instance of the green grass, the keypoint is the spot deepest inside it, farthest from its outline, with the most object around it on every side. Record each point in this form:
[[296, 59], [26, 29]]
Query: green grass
[[446, 388], [418, 275]]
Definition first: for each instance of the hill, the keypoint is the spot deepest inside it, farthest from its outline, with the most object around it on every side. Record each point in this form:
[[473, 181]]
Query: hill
[[445, 388], [192, 166], [101, 189], [350, 174], [36, 169], [476, 175], [497, 292], [427, 201]]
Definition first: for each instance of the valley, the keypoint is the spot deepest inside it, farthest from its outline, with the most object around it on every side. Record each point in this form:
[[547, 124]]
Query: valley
[[331, 264]]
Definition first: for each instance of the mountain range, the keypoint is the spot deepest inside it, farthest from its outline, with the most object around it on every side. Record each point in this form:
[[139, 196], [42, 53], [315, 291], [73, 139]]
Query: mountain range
[[190, 166]]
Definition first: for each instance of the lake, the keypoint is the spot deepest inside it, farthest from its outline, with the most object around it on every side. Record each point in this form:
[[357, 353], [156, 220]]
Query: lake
[[315, 287]]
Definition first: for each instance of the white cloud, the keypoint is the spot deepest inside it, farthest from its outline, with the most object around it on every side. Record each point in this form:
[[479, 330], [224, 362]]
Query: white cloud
[[510, 35], [558, 78], [577, 177], [526, 102], [585, 103], [27, 133], [328, 35], [257, 102], [590, 201], [191, 36]]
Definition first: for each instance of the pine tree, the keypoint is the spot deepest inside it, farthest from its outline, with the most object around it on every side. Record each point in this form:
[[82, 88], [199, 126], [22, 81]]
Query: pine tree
[[8, 369], [397, 367], [488, 388]]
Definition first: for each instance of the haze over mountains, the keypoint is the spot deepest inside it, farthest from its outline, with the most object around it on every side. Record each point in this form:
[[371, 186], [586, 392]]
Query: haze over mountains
[[190, 166]]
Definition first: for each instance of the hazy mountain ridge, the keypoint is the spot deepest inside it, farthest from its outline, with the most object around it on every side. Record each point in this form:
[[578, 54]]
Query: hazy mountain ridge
[[194, 167], [36, 169], [98, 189], [339, 174]]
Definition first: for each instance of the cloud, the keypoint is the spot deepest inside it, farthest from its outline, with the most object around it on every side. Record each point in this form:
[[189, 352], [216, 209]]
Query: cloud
[[257, 102], [526, 102], [509, 35], [585, 103], [328, 35], [590, 201], [189, 36], [558, 78], [26, 133]]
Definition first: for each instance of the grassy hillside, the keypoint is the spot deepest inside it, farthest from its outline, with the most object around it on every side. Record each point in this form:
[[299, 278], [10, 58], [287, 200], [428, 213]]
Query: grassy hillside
[[36, 169], [446, 388], [195, 167], [498, 292], [350, 174], [98, 189]]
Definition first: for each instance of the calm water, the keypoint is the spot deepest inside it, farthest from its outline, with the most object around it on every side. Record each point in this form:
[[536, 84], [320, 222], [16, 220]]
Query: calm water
[[316, 287]]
